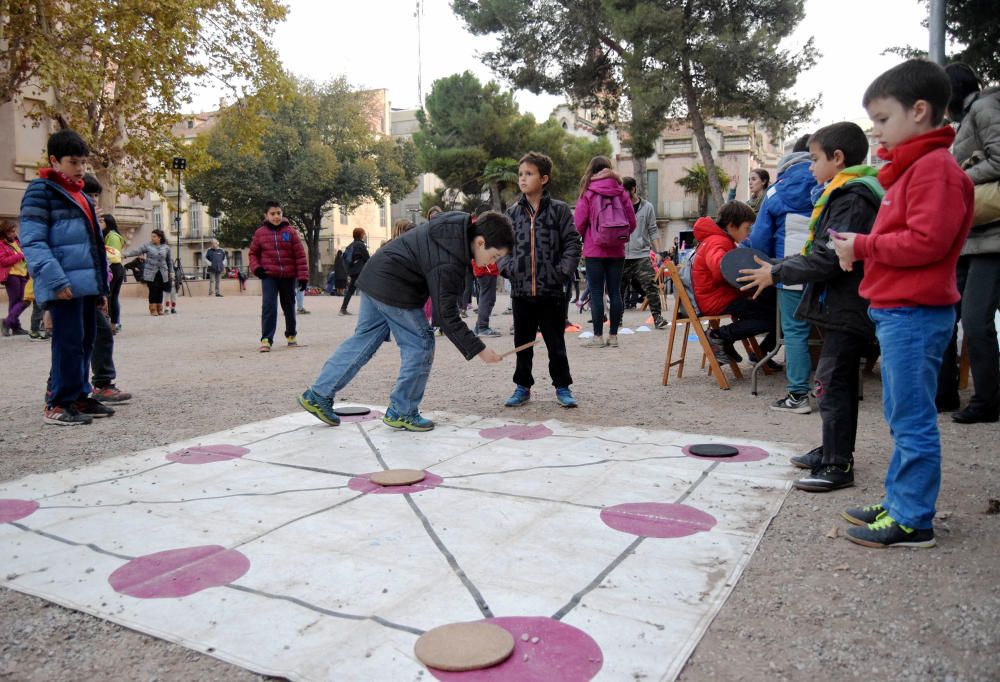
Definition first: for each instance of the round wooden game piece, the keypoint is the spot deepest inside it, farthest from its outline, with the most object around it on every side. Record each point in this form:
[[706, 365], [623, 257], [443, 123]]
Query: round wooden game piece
[[351, 410], [459, 647], [713, 450], [398, 477]]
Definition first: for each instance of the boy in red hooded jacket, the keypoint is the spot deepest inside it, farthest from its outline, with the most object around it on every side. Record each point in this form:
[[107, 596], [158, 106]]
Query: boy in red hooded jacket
[[910, 258], [278, 259], [715, 296]]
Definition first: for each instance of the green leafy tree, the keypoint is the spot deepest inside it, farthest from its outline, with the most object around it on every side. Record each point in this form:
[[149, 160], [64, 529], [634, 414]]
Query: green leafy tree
[[312, 149], [570, 155], [701, 58], [120, 72], [500, 180], [695, 181]]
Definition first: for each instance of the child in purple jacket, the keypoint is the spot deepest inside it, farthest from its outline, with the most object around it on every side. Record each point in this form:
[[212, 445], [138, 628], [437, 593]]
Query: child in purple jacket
[[604, 218]]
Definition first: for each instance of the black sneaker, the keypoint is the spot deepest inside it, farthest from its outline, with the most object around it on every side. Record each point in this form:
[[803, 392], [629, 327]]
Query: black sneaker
[[718, 348], [826, 478], [65, 416], [110, 394], [886, 532], [810, 460], [795, 404], [975, 415], [862, 516], [91, 407], [660, 323]]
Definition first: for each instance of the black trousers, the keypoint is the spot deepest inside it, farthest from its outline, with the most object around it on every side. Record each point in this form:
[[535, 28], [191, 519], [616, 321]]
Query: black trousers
[[102, 361], [753, 317], [117, 277], [350, 292], [837, 393], [156, 288], [545, 314]]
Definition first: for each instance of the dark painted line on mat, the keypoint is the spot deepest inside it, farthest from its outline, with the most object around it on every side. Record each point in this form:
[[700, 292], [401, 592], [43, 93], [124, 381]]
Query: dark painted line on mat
[[295, 520], [520, 497], [66, 541], [477, 596], [324, 611], [378, 455]]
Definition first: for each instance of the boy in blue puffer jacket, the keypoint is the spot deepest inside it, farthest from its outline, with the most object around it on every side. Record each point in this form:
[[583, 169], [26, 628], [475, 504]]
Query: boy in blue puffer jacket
[[781, 230], [63, 245]]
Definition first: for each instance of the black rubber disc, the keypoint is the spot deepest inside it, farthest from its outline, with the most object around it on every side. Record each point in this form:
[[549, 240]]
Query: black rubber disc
[[350, 410], [713, 450]]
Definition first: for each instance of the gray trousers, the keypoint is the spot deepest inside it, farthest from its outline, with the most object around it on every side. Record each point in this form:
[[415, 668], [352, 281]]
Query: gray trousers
[[214, 277], [487, 299]]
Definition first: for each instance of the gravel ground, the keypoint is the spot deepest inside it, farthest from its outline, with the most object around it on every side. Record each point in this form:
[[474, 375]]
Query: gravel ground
[[807, 607]]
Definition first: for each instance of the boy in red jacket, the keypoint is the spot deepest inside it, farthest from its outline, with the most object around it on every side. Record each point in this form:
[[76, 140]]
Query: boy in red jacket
[[910, 257], [278, 259], [715, 296]]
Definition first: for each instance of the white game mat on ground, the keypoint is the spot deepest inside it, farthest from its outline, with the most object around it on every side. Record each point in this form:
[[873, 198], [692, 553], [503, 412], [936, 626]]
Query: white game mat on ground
[[605, 551]]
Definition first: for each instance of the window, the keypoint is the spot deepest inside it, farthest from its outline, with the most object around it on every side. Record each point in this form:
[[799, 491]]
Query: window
[[158, 217], [237, 259], [381, 214], [677, 146], [194, 220], [653, 189], [343, 215], [214, 224]]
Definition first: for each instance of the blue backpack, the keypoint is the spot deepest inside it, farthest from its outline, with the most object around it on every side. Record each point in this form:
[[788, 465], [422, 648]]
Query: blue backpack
[[686, 270], [611, 225], [349, 255]]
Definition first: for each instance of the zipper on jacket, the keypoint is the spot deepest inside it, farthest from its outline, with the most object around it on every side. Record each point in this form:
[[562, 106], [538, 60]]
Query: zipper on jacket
[[531, 232], [277, 251]]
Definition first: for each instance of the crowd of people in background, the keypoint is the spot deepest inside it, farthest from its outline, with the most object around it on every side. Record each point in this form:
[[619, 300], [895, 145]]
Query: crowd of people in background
[[866, 261]]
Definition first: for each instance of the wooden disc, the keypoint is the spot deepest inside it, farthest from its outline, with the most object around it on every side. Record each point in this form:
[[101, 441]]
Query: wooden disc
[[351, 410], [713, 450], [464, 646], [398, 477]]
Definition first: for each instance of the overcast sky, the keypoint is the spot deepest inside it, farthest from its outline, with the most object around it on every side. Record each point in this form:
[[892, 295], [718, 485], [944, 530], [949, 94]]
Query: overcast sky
[[374, 43]]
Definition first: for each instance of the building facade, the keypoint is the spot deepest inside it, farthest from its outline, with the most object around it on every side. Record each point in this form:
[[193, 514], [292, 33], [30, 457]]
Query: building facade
[[404, 124]]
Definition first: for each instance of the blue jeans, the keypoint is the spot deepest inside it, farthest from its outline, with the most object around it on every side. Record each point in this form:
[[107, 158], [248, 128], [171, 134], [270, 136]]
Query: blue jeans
[[416, 349], [601, 273], [274, 289], [74, 324], [798, 363], [913, 342]]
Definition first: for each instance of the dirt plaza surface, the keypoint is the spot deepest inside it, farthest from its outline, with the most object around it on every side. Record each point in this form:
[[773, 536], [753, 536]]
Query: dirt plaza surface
[[807, 606]]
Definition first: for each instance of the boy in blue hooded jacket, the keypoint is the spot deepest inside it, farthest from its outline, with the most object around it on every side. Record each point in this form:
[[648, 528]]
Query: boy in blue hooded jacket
[[781, 230], [64, 248]]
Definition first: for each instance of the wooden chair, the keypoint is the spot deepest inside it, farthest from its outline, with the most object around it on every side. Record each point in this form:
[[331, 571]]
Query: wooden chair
[[684, 315]]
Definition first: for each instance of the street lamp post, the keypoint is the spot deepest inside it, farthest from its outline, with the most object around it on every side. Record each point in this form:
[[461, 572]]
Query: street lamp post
[[179, 165]]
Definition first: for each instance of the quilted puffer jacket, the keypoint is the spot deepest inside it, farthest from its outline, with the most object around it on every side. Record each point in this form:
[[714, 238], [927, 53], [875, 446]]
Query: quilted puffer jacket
[[279, 251]]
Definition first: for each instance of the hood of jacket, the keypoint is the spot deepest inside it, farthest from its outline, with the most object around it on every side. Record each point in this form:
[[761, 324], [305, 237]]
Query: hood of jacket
[[795, 184], [607, 185], [706, 227]]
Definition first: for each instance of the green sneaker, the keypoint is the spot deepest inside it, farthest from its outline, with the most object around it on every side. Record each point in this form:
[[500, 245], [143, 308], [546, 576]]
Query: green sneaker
[[885, 532], [862, 516], [319, 406], [410, 422]]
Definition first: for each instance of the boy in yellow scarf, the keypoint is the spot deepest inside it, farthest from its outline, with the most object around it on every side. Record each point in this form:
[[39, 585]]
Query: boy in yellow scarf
[[849, 201]]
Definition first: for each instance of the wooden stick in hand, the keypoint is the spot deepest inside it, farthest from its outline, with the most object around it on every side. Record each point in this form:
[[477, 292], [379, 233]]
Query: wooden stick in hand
[[523, 346]]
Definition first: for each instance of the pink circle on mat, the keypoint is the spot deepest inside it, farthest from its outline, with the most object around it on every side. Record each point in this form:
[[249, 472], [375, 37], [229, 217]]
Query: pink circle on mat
[[371, 416], [747, 453], [517, 432], [657, 519], [179, 572], [12, 510], [562, 653], [203, 454], [363, 485]]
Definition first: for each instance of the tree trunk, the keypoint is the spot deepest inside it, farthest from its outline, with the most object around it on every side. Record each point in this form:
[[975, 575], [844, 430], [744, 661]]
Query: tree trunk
[[698, 125], [639, 172], [496, 198], [313, 225]]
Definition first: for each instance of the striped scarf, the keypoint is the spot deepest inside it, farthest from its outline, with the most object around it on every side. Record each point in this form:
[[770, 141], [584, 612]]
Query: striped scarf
[[840, 179]]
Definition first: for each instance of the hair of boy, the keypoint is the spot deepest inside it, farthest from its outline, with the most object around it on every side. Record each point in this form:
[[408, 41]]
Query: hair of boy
[[111, 223], [161, 234], [271, 204], [91, 185], [433, 211], [734, 214], [848, 137], [539, 161], [964, 82], [801, 144], [67, 143], [596, 165], [628, 182], [401, 226], [764, 176], [496, 229], [911, 81], [358, 233]]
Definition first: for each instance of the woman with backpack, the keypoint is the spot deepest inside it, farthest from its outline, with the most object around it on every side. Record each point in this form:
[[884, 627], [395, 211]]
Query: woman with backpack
[[604, 218], [355, 257]]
